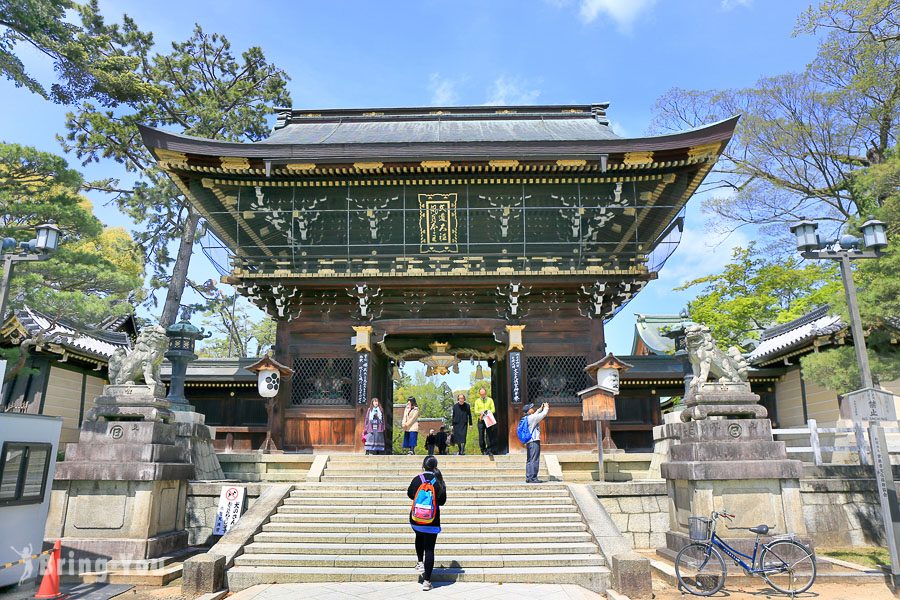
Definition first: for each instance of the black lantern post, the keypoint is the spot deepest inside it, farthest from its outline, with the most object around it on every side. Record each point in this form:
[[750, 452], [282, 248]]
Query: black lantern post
[[182, 338]]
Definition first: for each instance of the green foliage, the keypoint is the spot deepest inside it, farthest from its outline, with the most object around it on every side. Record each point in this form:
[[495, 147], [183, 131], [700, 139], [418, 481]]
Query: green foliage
[[235, 333], [804, 137], [95, 272], [87, 63], [837, 369], [199, 87], [755, 291]]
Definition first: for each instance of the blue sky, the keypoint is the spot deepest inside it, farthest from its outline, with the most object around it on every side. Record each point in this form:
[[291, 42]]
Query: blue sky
[[370, 54]]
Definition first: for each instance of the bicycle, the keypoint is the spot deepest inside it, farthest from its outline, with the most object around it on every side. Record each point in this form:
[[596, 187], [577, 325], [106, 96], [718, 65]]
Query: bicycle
[[784, 563]]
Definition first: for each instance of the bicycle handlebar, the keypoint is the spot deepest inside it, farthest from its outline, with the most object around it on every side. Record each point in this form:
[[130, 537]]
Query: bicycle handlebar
[[722, 513]]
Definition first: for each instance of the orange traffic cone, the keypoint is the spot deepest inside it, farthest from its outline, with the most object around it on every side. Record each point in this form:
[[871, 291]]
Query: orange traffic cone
[[49, 589]]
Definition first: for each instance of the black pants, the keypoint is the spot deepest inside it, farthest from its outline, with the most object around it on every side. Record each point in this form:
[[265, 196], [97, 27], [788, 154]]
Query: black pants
[[533, 460], [425, 551], [485, 438]]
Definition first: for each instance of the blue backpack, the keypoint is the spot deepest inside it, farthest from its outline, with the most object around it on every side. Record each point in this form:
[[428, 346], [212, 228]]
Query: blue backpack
[[524, 432]]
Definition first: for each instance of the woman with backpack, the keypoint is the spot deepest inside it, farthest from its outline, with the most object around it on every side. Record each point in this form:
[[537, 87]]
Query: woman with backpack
[[428, 493]]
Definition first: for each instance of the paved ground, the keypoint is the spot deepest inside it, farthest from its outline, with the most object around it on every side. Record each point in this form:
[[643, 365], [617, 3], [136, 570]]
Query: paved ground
[[760, 591], [407, 591]]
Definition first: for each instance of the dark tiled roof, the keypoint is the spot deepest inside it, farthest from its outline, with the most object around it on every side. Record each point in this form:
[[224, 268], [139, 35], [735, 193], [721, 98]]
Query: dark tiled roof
[[97, 343], [779, 339], [212, 370]]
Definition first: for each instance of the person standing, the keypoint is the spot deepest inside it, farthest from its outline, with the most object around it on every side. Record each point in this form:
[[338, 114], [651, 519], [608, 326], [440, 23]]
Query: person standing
[[460, 420], [373, 428], [533, 447], [410, 425], [440, 439], [430, 442], [484, 405], [426, 535]]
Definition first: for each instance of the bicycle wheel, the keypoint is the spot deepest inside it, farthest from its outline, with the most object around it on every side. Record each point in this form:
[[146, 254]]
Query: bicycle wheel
[[788, 566], [700, 569]]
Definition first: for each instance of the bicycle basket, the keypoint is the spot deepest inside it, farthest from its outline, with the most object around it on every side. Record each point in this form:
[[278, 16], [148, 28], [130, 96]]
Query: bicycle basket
[[699, 528]]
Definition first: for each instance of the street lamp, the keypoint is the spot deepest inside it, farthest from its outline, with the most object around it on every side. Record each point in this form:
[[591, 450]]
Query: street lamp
[[45, 242], [844, 250]]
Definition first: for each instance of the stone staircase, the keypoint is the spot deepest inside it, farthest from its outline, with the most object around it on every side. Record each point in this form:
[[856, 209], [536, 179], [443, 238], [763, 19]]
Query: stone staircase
[[352, 526]]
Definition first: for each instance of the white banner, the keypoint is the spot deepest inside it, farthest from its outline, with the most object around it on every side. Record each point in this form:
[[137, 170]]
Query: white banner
[[231, 505]]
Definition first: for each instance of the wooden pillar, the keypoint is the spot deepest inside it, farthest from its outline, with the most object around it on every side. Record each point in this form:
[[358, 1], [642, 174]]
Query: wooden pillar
[[596, 352], [283, 400]]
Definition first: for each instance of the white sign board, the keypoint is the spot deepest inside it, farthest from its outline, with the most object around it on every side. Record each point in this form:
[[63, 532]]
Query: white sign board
[[869, 404], [231, 505]]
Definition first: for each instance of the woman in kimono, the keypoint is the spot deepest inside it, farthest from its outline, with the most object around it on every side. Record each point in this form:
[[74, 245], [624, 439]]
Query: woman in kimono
[[374, 428]]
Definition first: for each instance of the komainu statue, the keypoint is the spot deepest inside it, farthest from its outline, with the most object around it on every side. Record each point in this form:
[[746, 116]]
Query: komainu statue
[[142, 361], [708, 360]]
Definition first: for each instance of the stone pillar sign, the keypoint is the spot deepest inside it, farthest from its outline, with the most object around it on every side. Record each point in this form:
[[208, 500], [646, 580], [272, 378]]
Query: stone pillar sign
[[724, 456]]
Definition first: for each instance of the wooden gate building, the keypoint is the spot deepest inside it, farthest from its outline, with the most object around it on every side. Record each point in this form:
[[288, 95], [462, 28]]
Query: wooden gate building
[[509, 233]]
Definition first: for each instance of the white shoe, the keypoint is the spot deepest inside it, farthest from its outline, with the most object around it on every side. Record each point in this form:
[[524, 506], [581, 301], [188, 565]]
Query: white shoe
[[426, 585], [420, 567]]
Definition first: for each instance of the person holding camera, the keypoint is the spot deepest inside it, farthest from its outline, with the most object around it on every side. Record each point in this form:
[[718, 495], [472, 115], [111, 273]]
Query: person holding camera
[[533, 447]]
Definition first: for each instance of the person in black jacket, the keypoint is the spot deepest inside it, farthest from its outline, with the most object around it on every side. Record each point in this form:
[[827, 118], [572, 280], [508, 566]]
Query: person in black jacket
[[440, 439], [426, 535], [460, 421]]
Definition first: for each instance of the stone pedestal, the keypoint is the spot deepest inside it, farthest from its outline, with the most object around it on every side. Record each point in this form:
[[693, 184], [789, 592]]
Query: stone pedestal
[[120, 494], [722, 399], [195, 438], [732, 465]]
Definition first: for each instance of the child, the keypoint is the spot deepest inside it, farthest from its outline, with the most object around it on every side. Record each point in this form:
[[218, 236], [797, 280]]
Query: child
[[440, 440], [430, 442]]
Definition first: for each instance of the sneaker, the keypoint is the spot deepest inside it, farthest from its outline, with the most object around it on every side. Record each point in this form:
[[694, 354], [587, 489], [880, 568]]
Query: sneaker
[[426, 585], [420, 567]]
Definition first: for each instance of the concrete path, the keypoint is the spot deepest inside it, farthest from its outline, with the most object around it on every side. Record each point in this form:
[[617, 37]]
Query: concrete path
[[408, 591]]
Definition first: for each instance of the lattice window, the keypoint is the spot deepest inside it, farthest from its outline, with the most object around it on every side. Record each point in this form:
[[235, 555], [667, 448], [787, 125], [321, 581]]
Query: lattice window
[[322, 381], [556, 379]]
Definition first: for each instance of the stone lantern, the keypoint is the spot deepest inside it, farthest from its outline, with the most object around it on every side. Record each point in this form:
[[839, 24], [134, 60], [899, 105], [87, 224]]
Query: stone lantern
[[269, 373], [182, 339]]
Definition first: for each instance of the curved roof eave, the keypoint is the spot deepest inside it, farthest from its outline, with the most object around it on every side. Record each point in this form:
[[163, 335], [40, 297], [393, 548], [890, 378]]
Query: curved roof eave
[[159, 139]]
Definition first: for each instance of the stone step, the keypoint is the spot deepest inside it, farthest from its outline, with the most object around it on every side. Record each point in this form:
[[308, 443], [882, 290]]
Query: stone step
[[400, 509], [413, 471], [458, 487], [452, 517], [593, 578], [359, 459], [401, 499], [408, 536], [494, 528], [402, 480], [454, 548], [396, 561], [339, 493]]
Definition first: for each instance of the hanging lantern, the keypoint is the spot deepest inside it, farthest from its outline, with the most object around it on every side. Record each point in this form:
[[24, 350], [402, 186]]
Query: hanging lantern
[[395, 373], [440, 361], [268, 376], [479, 373]]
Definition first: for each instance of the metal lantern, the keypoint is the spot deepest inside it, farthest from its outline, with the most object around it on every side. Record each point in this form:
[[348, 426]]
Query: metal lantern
[[874, 234], [47, 237], [182, 340], [805, 232]]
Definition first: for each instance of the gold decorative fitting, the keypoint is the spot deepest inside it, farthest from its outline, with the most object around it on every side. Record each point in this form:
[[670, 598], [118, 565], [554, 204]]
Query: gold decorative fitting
[[435, 164], [293, 167], [571, 162], [363, 338], [705, 151], [238, 163], [438, 112], [362, 166], [637, 158], [504, 163], [373, 114], [171, 158], [505, 111], [515, 337], [437, 223]]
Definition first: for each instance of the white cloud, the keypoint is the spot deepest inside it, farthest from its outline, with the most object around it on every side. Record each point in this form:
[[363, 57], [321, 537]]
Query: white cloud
[[623, 13], [511, 90], [700, 253], [730, 4], [619, 129], [443, 90]]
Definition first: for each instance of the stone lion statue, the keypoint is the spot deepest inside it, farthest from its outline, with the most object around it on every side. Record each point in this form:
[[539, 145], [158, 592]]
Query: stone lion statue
[[143, 361], [707, 359]]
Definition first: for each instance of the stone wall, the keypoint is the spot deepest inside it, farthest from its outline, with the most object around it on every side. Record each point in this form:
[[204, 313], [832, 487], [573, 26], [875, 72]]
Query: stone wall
[[202, 502], [640, 509]]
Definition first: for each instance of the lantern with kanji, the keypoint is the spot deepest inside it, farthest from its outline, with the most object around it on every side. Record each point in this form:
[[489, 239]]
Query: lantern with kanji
[[269, 374]]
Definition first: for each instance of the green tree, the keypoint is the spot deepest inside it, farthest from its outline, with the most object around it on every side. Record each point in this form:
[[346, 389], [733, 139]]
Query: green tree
[[199, 87], [87, 63], [95, 272], [235, 332], [755, 291], [804, 137]]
